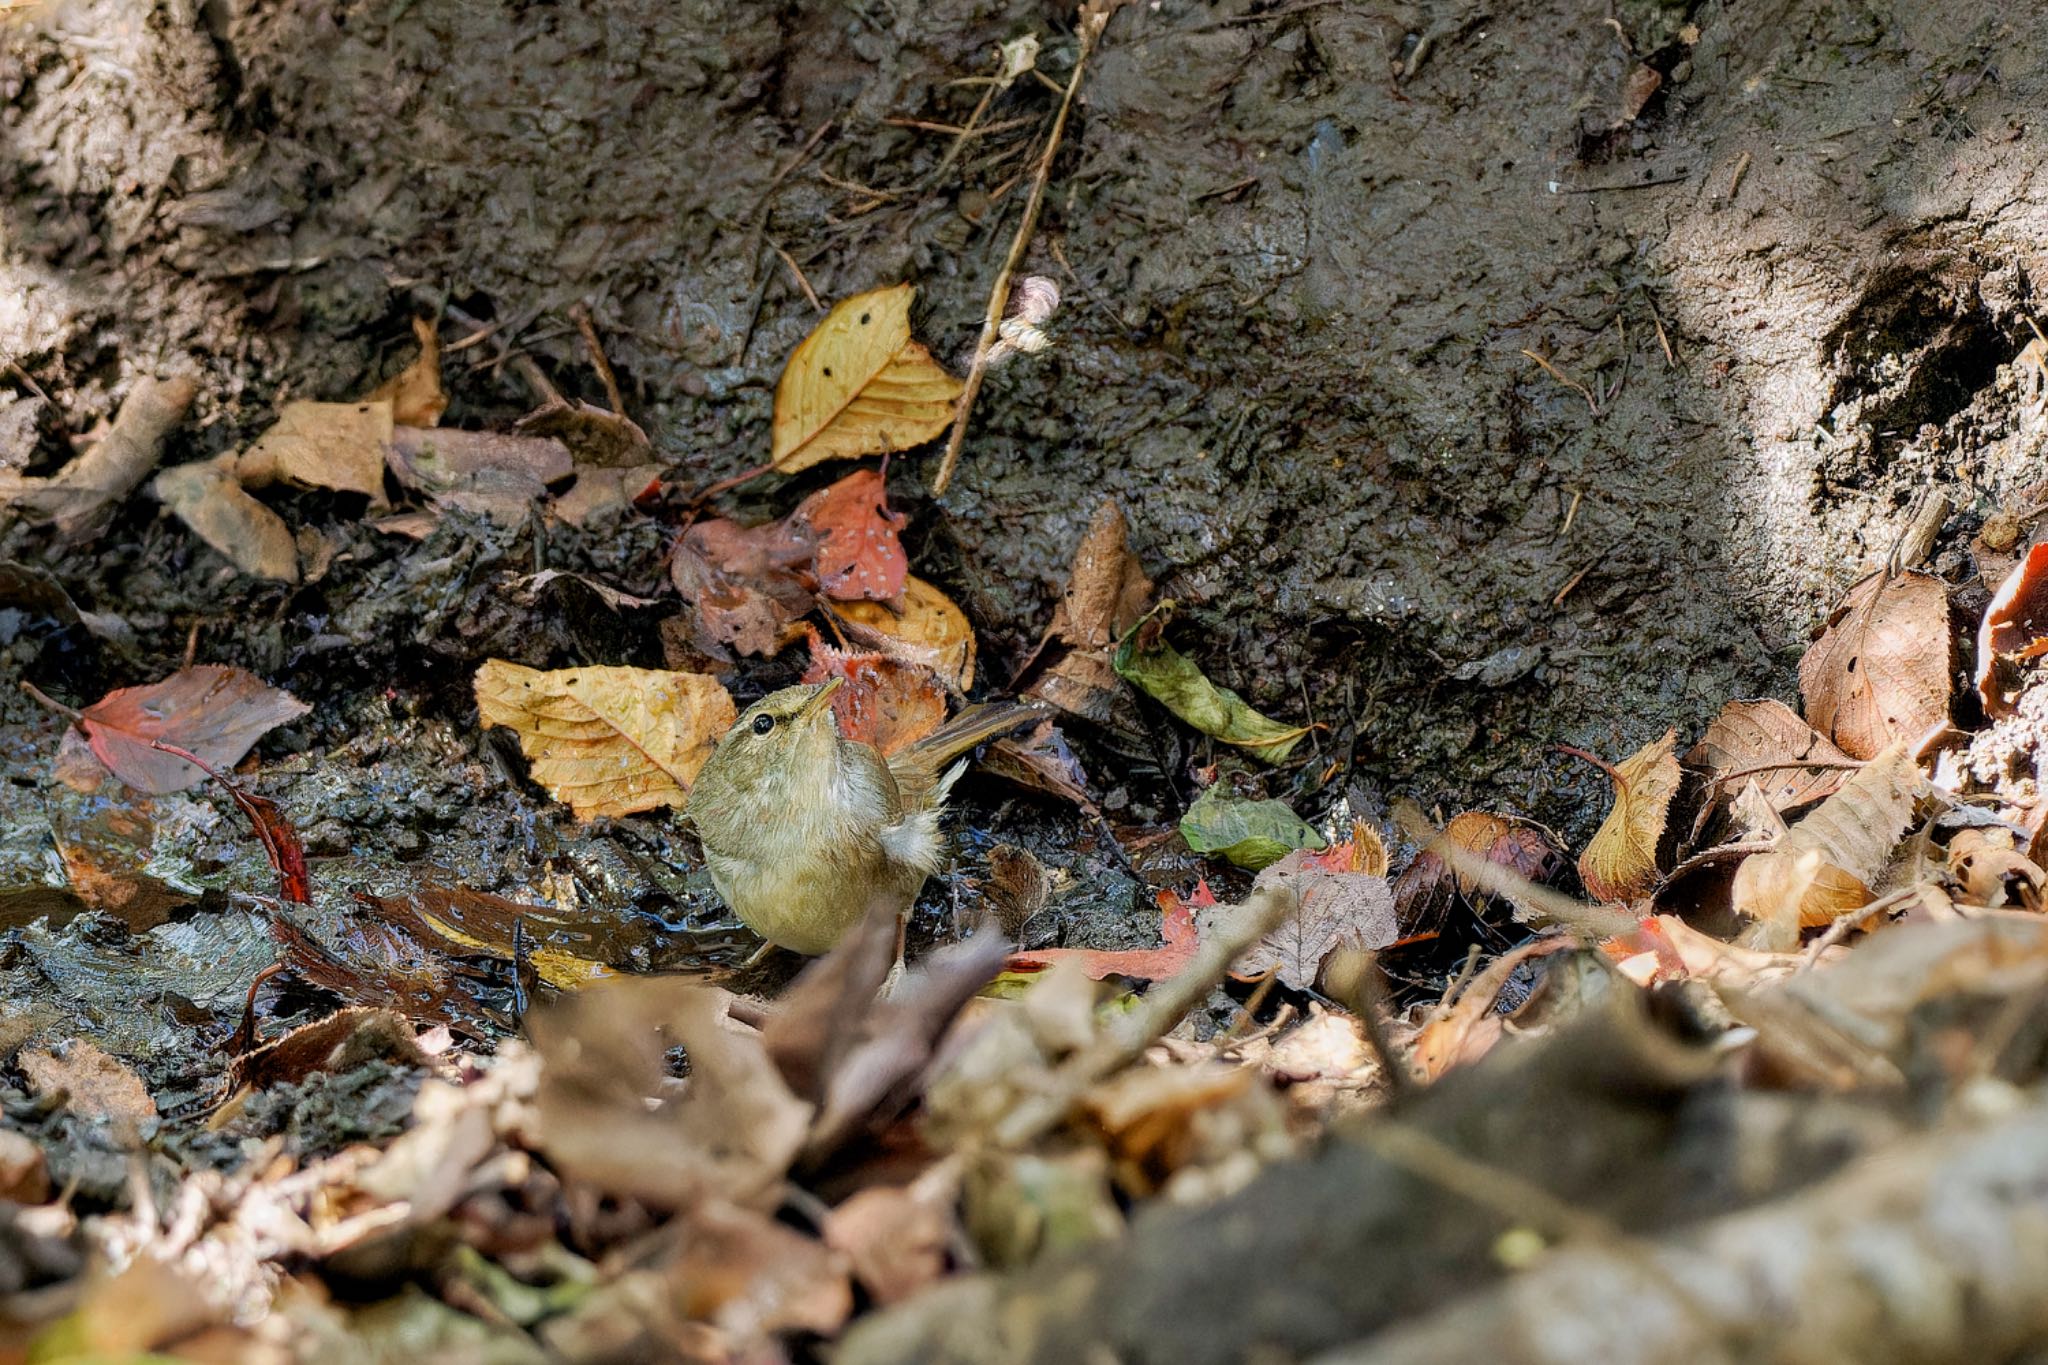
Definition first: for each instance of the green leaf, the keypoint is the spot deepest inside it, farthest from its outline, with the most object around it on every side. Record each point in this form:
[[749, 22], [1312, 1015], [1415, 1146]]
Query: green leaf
[[1163, 673], [1251, 834]]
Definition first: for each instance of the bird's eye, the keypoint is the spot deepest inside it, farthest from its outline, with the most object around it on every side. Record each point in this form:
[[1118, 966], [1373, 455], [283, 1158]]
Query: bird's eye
[[763, 724]]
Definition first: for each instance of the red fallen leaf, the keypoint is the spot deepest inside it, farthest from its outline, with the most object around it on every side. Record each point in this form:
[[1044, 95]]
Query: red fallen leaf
[[747, 586], [1177, 928], [886, 702], [2012, 632], [860, 549], [280, 841], [213, 713]]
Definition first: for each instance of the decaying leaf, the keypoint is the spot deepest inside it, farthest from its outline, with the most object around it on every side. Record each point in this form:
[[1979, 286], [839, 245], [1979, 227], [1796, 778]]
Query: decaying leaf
[[596, 437], [746, 586], [489, 473], [1042, 760], [608, 741], [2014, 631], [858, 385], [1105, 596], [1145, 659], [886, 702], [898, 1237], [1825, 864], [1880, 671], [415, 393], [1992, 872], [1339, 909], [1177, 931], [929, 630], [38, 593], [215, 712], [1427, 886], [860, 548], [1765, 741], [1620, 863], [1364, 852], [94, 1085], [1252, 834], [207, 498], [81, 497], [322, 445]]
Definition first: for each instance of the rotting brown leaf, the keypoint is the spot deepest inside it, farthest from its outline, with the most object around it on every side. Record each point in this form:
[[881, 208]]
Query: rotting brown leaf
[[1106, 593], [729, 1130], [207, 498], [747, 587], [1427, 885], [595, 437], [2013, 632], [1824, 866], [1765, 741], [858, 385], [1620, 862], [322, 445], [81, 497], [94, 1085], [898, 1238], [608, 741], [1042, 760], [1339, 909], [929, 630], [488, 473], [1881, 669], [210, 710]]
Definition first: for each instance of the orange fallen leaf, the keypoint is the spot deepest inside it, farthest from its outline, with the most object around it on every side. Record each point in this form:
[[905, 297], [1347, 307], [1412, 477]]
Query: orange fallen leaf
[[886, 702], [1177, 929], [1620, 863], [858, 385], [608, 741], [415, 393], [860, 549], [929, 630], [215, 712]]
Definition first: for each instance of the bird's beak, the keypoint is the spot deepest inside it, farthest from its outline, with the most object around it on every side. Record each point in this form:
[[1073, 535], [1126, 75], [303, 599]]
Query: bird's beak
[[821, 699]]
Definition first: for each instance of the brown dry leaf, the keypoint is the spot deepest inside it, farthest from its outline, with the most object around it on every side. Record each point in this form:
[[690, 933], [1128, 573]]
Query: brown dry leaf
[[488, 473], [415, 393], [1161, 1121], [94, 1085], [1464, 1025], [1042, 760], [1106, 594], [746, 586], [1791, 762], [897, 1237], [598, 438], [210, 710], [1993, 873], [1825, 865], [730, 1132], [604, 492], [929, 630], [1620, 863], [81, 497], [1880, 671], [322, 445], [608, 741], [858, 385], [886, 702], [205, 496], [1338, 910], [1426, 886], [2014, 630]]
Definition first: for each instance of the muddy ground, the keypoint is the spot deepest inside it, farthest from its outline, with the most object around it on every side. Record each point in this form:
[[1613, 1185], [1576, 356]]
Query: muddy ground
[[1306, 247]]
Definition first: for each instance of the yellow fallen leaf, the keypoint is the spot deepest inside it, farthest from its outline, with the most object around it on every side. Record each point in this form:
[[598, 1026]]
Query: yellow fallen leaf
[[415, 393], [608, 741], [858, 385], [322, 445], [1824, 865], [929, 630], [1620, 863]]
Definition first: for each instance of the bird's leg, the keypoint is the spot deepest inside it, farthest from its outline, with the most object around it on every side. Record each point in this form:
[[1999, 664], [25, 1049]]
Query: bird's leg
[[897, 969], [758, 956]]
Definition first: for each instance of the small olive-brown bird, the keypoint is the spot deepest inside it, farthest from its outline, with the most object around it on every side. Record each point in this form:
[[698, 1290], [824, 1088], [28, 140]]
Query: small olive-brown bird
[[802, 828]]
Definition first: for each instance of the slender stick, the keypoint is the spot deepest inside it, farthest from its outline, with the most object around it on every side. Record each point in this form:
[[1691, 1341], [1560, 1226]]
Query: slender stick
[[999, 297]]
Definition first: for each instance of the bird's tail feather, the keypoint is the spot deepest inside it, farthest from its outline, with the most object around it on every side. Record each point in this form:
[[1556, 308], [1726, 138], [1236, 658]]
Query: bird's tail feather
[[978, 723]]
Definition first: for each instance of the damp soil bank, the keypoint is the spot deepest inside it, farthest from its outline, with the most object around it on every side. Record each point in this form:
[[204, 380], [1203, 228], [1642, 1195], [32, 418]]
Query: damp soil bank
[[1469, 401]]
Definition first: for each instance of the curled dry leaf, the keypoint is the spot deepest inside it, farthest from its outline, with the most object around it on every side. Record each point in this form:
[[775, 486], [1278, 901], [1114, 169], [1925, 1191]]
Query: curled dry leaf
[[214, 712], [608, 741], [607, 440], [81, 497], [746, 586], [1766, 742], [1880, 670], [1993, 873], [860, 548], [2014, 631], [1824, 866], [929, 630], [213, 505], [858, 385], [1363, 852], [886, 702], [1144, 658], [415, 393], [1620, 863], [322, 445], [1427, 885], [1042, 760], [1105, 596]]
